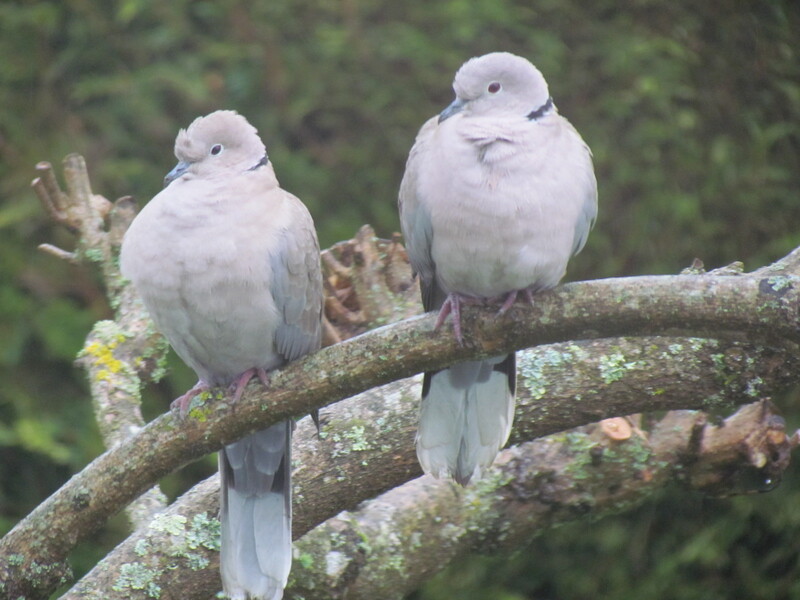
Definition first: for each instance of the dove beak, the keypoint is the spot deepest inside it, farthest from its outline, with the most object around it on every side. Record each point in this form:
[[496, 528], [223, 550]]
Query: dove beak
[[456, 107], [179, 170]]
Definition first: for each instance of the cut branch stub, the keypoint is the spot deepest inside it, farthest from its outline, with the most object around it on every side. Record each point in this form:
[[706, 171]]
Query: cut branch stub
[[368, 282]]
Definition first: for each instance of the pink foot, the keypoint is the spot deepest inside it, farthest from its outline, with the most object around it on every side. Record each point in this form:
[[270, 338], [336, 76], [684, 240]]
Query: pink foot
[[451, 305], [182, 402], [511, 297], [508, 303], [241, 382]]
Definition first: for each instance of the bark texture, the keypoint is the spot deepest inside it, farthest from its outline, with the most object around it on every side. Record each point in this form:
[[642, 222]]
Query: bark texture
[[721, 339]]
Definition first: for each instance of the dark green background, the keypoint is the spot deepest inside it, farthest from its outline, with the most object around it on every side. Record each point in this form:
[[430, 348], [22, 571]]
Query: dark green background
[[692, 110]]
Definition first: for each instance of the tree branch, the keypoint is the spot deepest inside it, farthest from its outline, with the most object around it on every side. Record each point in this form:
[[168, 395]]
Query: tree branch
[[367, 446], [761, 306], [729, 306], [394, 543], [116, 353]]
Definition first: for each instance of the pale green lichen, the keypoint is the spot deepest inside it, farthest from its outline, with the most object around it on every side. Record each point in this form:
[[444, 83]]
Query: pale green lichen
[[715, 402], [675, 349], [734, 373], [580, 446], [356, 435], [697, 344], [204, 532], [767, 306], [206, 403], [780, 282], [187, 540], [157, 352], [136, 576], [352, 439], [305, 560], [614, 366], [169, 524], [142, 547], [753, 386], [94, 255], [718, 360], [633, 451], [694, 344], [533, 366], [44, 572], [196, 562]]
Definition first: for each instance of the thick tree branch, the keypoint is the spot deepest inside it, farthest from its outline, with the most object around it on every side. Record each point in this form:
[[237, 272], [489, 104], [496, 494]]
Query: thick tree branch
[[367, 446], [390, 546], [761, 306]]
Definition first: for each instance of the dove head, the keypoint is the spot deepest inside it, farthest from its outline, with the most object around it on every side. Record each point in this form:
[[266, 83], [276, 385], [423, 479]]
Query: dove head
[[222, 141], [497, 83]]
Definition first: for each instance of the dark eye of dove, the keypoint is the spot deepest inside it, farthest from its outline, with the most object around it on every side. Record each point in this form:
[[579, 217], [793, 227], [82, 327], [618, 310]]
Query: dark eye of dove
[[216, 149], [494, 87]]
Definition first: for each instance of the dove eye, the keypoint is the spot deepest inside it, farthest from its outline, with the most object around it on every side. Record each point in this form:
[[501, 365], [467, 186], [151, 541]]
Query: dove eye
[[494, 87], [216, 149]]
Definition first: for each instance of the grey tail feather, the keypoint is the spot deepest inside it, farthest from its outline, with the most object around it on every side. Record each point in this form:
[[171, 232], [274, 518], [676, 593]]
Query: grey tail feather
[[256, 514], [466, 416]]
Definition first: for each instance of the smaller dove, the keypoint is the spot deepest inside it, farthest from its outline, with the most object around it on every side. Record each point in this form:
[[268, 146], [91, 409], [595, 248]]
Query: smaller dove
[[227, 264]]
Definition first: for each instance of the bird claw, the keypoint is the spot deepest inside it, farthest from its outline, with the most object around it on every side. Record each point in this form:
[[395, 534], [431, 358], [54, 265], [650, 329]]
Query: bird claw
[[240, 383], [182, 402], [451, 305], [511, 297]]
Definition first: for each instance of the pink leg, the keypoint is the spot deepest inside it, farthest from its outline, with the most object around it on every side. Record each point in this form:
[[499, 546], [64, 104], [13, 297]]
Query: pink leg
[[508, 303], [451, 305], [241, 382], [443, 312], [182, 402]]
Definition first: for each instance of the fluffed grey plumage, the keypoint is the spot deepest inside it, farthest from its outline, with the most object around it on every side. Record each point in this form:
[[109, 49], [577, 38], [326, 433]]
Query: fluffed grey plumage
[[227, 264], [498, 193]]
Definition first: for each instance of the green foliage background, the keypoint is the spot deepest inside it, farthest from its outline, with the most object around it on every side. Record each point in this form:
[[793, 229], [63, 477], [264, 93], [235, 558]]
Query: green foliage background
[[692, 111]]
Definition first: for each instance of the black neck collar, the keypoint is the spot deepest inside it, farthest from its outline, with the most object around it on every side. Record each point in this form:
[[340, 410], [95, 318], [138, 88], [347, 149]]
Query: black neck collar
[[260, 163], [538, 113]]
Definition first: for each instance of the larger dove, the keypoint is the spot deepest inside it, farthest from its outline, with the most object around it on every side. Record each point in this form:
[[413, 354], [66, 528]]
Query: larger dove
[[227, 264], [498, 193]]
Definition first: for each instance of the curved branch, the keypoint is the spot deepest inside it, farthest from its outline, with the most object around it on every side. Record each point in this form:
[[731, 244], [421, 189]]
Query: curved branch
[[760, 306], [389, 547], [733, 306], [367, 446]]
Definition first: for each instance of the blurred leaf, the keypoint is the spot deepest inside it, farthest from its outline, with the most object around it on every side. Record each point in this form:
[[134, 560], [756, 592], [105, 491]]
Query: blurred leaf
[[37, 436], [62, 327]]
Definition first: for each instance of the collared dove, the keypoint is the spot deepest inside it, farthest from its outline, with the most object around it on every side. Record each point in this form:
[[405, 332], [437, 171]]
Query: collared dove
[[498, 193], [227, 264]]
